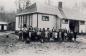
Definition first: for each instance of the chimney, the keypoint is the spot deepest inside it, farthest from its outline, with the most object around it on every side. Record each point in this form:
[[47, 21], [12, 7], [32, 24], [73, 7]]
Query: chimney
[[48, 2], [60, 5]]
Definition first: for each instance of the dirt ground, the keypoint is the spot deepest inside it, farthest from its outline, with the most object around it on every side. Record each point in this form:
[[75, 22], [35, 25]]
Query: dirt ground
[[10, 46]]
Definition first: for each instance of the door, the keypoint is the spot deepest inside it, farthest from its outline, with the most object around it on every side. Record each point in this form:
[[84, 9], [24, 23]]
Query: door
[[74, 25], [2, 27]]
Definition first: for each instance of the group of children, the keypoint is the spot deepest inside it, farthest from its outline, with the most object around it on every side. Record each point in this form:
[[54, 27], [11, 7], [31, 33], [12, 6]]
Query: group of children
[[43, 35]]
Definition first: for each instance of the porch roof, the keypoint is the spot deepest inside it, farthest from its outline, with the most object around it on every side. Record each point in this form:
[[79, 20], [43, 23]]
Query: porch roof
[[73, 14]]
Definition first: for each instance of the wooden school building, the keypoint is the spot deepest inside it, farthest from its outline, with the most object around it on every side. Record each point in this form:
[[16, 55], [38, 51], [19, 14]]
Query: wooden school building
[[40, 15]]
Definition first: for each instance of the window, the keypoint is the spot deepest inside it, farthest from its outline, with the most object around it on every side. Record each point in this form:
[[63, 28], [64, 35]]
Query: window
[[65, 21], [82, 22], [30, 20], [45, 18], [20, 21], [25, 19]]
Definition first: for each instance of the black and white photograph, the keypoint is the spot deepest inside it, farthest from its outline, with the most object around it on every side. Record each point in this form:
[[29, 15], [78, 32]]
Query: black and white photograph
[[42, 27]]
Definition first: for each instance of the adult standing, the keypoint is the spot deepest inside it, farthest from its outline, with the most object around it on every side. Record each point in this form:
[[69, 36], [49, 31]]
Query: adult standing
[[25, 33], [62, 35], [55, 35], [33, 34], [43, 35], [38, 34], [29, 35]]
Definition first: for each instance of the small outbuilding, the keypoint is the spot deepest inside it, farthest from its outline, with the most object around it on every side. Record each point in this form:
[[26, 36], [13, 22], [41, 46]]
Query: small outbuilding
[[3, 26]]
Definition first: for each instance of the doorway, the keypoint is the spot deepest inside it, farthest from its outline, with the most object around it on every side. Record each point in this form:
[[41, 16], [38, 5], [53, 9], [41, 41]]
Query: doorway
[[2, 27], [74, 25]]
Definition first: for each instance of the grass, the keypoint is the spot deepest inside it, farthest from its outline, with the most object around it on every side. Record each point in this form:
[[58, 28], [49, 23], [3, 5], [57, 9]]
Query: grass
[[7, 43]]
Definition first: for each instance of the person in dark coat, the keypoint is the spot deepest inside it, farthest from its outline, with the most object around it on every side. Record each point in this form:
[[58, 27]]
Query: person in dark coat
[[75, 35], [29, 35], [42, 35], [33, 35], [60, 35], [65, 35], [25, 34], [38, 35], [70, 36], [51, 35]]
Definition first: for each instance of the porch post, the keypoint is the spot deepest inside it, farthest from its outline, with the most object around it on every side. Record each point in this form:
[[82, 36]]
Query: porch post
[[37, 20], [60, 23], [56, 21]]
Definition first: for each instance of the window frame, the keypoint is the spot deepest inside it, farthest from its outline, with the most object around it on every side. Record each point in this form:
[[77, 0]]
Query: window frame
[[20, 21], [45, 18], [82, 22], [65, 21]]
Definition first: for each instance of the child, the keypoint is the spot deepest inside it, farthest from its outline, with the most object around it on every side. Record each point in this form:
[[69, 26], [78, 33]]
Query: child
[[46, 35], [65, 35], [55, 35], [39, 34], [20, 35], [25, 33]]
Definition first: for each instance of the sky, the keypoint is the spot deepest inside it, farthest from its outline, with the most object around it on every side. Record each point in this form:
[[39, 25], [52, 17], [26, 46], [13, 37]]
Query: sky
[[10, 5]]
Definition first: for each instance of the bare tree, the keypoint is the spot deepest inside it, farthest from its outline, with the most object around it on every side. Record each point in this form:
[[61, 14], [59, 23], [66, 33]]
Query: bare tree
[[27, 3], [22, 4], [2, 13], [18, 5]]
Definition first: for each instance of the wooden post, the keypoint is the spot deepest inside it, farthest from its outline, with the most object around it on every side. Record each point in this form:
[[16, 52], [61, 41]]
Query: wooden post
[[56, 21], [60, 23], [37, 20]]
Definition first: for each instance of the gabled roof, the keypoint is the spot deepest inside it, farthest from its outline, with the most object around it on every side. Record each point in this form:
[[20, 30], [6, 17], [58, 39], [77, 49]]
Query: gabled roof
[[49, 9], [41, 8], [31, 9], [66, 13]]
